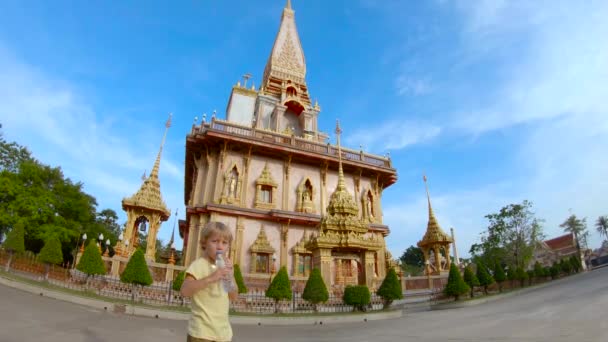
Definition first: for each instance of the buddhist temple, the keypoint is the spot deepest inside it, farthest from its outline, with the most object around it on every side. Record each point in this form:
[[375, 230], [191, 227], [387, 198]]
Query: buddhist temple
[[290, 196]]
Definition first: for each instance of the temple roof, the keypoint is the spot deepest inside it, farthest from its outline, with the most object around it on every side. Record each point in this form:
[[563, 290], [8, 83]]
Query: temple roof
[[149, 196], [560, 242], [286, 60], [434, 234]]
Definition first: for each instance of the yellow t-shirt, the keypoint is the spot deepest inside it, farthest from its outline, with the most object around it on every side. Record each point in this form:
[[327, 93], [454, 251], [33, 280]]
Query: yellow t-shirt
[[210, 306]]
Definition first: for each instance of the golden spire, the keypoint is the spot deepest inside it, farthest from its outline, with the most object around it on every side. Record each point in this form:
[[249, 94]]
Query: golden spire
[[149, 196], [154, 172], [288, 5], [434, 233], [341, 202]]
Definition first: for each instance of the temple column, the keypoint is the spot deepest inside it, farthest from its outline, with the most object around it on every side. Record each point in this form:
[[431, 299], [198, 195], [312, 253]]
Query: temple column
[[322, 260], [323, 192], [368, 262], [208, 194], [283, 252], [448, 261], [238, 246], [286, 167], [437, 259], [198, 185]]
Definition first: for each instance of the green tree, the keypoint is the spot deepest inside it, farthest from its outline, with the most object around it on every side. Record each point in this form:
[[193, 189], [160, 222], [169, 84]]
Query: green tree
[[485, 278], [50, 254], [412, 261], [390, 289], [602, 226], [456, 285], [358, 296], [471, 279], [315, 290], [576, 264], [136, 272], [14, 243], [566, 266], [538, 270], [576, 226], [90, 262], [510, 236], [499, 275], [554, 271], [521, 275], [280, 287], [238, 278], [12, 155]]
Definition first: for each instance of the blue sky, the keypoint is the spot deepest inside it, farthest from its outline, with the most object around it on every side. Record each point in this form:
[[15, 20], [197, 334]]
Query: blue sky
[[496, 101]]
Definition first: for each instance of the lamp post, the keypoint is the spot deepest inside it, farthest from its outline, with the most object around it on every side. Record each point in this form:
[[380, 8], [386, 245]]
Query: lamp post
[[126, 251], [118, 248], [100, 241], [84, 239], [107, 252]]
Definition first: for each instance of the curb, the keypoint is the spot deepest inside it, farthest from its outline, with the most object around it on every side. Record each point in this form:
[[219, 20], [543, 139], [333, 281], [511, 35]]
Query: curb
[[136, 310]]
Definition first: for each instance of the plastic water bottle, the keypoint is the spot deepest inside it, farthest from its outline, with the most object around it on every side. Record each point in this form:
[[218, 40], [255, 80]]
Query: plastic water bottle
[[227, 284]]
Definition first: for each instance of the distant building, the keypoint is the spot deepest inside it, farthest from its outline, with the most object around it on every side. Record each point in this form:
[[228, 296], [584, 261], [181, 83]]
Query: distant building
[[599, 256], [551, 251]]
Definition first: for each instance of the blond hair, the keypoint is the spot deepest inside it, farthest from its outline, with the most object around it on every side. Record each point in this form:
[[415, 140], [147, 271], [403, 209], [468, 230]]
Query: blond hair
[[214, 227]]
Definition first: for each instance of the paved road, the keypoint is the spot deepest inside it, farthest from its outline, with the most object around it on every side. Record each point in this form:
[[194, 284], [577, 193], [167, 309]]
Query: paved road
[[572, 309]]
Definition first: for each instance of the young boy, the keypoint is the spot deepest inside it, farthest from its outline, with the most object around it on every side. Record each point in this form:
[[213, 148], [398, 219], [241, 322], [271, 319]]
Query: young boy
[[210, 302]]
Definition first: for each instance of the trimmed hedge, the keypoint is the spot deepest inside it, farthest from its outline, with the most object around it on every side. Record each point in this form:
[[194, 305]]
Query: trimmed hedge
[[14, 242], [456, 285], [136, 271], [51, 252], [280, 288], [179, 280], [499, 275], [390, 288], [471, 279], [90, 262], [315, 290], [238, 277], [485, 278], [358, 296]]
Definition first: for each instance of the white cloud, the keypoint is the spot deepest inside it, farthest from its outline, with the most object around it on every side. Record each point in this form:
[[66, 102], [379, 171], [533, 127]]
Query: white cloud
[[56, 123], [409, 85], [393, 135]]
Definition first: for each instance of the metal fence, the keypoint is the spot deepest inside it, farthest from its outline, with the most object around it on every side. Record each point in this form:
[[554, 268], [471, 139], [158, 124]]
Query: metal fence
[[162, 293]]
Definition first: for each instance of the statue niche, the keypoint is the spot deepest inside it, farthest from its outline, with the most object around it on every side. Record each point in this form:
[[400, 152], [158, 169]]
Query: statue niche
[[231, 192], [304, 197], [368, 204]]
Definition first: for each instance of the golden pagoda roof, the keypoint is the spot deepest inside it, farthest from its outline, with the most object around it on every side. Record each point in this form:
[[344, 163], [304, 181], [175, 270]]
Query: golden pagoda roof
[[149, 196], [342, 211], [286, 60], [434, 234]]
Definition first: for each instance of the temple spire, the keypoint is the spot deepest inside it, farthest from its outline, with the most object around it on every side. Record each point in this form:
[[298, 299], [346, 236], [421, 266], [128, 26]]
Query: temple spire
[[288, 5], [154, 173], [428, 197], [341, 184]]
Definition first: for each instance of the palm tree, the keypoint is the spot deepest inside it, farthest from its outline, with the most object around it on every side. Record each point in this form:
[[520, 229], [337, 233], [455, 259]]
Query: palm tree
[[602, 226], [577, 227]]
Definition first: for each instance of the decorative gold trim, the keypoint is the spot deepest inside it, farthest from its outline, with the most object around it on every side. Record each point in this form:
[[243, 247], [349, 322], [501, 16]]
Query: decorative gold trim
[[261, 244]]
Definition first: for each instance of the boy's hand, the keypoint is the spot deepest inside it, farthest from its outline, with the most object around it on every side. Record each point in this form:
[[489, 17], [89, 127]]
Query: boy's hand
[[220, 273]]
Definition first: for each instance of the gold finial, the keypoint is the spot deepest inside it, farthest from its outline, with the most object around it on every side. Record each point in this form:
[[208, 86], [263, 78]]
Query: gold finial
[[288, 5], [154, 173], [428, 196], [238, 84], [143, 177], [341, 184]]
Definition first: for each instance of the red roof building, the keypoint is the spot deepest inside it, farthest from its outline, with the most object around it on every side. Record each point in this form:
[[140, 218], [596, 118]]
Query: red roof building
[[550, 251]]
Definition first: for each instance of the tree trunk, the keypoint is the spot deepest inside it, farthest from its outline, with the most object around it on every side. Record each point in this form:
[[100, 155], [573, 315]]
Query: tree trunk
[[8, 263], [47, 269]]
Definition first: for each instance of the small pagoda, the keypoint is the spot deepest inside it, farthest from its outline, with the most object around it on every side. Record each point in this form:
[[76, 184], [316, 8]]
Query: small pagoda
[[435, 243], [146, 211], [343, 238]]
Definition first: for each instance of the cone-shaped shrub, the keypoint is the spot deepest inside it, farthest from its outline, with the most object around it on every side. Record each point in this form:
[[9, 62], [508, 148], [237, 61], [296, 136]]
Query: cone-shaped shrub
[[554, 271], [471, 279], [315, 290], [51, 254], [136, 272], [14, 242], [390, 289], [499, 275], [566, 266], [280, 288], [485, 278], [539, 272], [357, 296], [456, 285], [238, 277], [179, 280], [521, 275], [90, 262]]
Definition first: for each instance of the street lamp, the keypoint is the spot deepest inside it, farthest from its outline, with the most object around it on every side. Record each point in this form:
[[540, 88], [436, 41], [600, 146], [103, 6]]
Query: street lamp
[[107, 252], [100, 241], [126, 247], [84, 239]]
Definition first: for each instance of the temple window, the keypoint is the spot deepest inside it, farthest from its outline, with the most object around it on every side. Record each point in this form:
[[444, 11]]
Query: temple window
[[302, 258], [291, 91], [304, 264], [261, 252], [266, 189]]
